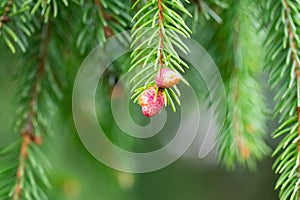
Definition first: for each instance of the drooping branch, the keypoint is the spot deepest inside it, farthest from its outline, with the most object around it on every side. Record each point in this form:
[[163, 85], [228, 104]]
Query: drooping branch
[[242, 141], [29, 136], [294, 54], [282, 44], [292, 41]]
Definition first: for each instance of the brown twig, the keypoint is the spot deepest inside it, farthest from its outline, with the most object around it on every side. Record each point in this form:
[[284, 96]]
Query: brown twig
[[294, 53], [161, 34], [28, 134], [5, 18], [107, 30]]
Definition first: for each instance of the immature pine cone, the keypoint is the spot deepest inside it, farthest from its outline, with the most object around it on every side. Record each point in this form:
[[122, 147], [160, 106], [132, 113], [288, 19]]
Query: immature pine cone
[[150, 106]]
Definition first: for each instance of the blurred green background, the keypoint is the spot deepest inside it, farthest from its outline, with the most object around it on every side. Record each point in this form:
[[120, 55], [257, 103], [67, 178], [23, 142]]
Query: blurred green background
[[76, 175]]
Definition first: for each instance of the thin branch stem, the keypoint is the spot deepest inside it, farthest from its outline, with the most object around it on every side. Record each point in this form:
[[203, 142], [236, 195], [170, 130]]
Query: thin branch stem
[[4, 19], [161, 35], [28, 134]]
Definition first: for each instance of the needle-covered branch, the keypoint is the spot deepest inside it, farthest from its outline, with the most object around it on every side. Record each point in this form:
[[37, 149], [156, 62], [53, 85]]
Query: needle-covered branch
[[282, 44], [242, 141], [156, 39]]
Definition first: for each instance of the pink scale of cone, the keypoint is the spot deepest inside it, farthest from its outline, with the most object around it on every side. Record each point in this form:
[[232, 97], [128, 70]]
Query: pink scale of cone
[[167, 78]]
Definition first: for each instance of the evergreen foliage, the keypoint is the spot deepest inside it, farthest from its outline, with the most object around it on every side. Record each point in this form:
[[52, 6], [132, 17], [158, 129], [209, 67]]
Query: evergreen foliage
[[40, 79], [51, 33], [156, 34], [242, 141]]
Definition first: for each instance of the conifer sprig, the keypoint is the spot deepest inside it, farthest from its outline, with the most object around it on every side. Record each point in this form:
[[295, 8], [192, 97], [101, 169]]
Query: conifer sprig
[[40, 82], [282, 43], [28, 177], [29, 133], [156, 39], [242, 141]]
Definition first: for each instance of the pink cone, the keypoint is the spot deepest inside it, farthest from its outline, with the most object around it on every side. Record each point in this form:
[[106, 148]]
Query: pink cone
[[150, 106]]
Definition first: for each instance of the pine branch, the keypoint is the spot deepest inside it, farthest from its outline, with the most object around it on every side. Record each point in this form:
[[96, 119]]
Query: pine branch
[[29, 134], [40, 79], [154, 39], [242, 141], [26, 173], [283, 64]]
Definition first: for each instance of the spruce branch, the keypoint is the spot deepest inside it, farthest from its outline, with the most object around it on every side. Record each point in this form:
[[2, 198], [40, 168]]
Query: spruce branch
[[156, 39], [40, 81], [29, 134], [26, 176], [242, 141], [282, 43]]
